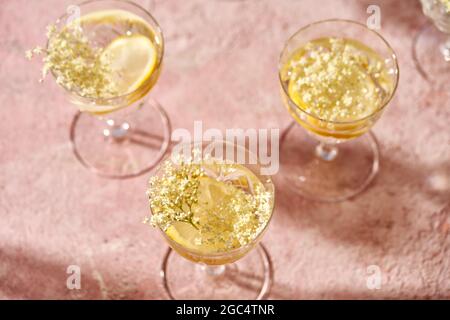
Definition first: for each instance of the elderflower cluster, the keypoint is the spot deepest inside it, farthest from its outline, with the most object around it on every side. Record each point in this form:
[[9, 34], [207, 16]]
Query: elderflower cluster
[[336, 79], [76, 64], [173, 194]]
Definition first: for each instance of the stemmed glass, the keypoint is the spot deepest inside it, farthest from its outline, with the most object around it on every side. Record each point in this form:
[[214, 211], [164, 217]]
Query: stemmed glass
[[126, 135], [431, 50], [326, 162], [211, 263]]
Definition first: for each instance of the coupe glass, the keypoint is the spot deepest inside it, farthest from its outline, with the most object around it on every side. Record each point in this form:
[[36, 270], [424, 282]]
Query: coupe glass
[[322, 159], [239, 273], [122, 136], [431, 51]]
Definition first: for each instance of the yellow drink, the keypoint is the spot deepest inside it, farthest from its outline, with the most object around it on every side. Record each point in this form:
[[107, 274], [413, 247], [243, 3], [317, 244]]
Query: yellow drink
[[336, 84], [107, 59], [210, 212]]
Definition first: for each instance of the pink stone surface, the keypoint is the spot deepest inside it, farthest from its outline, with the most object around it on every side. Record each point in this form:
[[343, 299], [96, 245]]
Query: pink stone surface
[[221, 68]]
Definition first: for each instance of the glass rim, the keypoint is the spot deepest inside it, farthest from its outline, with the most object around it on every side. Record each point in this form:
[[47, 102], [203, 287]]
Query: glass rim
[[236, 250], [393, 54], [158, 64]]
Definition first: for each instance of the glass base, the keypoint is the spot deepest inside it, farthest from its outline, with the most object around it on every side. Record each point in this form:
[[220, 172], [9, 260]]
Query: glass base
[[428, 55], [248, 278], [343, 173], [124, 144]]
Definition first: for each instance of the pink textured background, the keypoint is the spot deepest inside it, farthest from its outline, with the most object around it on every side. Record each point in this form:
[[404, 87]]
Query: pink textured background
[[221, 67]]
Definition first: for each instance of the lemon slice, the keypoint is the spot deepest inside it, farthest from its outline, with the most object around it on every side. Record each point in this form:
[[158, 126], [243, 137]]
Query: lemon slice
[[185, 235], [109, 16], [132, 60]]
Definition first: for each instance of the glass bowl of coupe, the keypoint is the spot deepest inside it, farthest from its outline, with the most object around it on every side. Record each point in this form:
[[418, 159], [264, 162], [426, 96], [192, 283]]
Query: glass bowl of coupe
[[336, 78]]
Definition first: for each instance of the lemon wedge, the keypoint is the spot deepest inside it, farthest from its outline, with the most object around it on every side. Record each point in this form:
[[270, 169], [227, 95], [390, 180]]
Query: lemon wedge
[[132, 60]]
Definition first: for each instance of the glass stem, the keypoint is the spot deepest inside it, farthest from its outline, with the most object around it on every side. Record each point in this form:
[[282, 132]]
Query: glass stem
[[115, 130], [116, 125], [326, 151], [213, 271], [445, 49]]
